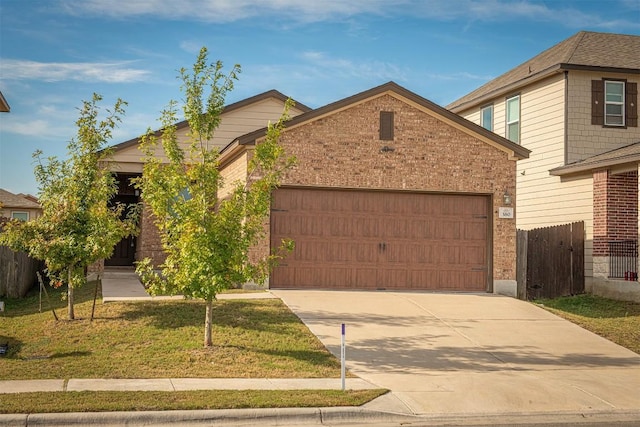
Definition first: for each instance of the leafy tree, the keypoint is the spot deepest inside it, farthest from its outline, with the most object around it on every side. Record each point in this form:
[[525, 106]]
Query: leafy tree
[[207, 237], [78, 225]]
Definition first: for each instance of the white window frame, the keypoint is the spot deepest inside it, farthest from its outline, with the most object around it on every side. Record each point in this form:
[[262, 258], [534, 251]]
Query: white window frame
[[20, 212], [487, 126], [512, 122], [620, 103]]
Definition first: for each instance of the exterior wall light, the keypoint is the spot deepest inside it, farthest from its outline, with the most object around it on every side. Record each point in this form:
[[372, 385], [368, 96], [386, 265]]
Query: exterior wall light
[[506, 198]]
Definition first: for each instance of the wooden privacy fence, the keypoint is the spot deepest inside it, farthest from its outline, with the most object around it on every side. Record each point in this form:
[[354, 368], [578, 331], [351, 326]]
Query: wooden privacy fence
[[17, 273], [550, 261]]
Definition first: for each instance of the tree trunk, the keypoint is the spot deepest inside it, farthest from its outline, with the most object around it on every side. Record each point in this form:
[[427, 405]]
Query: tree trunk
[[207, 323], [70, 294]]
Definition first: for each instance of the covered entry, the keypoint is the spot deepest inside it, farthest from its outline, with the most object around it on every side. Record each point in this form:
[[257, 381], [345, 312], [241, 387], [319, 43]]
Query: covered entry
[[354, 239]]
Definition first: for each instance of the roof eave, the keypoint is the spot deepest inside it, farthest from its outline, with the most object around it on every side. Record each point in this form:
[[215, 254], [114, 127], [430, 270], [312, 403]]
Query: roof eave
[[506, 89], [533, 78], [580, 168], [4, 105], [517, 151]]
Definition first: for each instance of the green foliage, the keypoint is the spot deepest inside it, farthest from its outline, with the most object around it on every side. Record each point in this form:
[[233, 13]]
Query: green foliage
[[77, 226], [206, 237]]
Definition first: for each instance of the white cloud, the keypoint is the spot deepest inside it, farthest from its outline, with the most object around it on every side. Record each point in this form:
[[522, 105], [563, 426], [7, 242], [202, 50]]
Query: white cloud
[[305, 11], [35, 128], [108, 72], [341, 67]]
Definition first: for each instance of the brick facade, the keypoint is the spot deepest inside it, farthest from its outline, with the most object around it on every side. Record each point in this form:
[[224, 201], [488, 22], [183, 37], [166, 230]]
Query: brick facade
[[427, 154], [149, 244], [615, 209]]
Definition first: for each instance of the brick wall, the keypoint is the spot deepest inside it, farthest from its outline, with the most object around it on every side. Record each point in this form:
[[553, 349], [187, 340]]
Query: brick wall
[[344, 150], [149, 243], [615, 209]]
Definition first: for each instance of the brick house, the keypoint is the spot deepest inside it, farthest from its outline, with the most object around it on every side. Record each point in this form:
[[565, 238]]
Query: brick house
[[235, 120], [391, 191], [575, 106]]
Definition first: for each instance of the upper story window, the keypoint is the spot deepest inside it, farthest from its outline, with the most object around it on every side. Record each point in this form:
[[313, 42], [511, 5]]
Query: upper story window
[[486, 117], [22, 216], [513, 119], [614, 103]]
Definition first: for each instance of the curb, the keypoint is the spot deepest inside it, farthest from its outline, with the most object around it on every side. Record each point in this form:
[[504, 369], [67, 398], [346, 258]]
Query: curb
[[228, 417], [331, 416]]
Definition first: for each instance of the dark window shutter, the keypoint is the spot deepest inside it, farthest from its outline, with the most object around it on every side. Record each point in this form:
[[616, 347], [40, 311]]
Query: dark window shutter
[[631, 104], [386, 125], [597, 102]]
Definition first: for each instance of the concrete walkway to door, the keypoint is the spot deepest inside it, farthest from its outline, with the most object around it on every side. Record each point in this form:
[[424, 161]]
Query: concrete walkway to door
[[470, 354]]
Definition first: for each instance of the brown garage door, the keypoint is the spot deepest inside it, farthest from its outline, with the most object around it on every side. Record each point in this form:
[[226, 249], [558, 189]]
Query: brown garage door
[[381, 240]]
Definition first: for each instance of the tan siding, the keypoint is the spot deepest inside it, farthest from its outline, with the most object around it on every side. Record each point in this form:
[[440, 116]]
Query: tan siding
[[542, 199], [585, 139], [232, 173], [233, 125], [33, 213]]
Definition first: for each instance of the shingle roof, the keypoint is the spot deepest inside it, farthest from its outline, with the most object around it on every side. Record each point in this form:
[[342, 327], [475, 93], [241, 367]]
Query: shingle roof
[[584, 50], [250, 138], [626, 154], [4, 105], [10, 200]]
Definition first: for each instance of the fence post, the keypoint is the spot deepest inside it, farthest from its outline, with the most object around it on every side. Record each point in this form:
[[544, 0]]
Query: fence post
[[521, 263]]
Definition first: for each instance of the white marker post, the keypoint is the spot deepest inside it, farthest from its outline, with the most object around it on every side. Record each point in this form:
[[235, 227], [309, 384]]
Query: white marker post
[[343, 360]]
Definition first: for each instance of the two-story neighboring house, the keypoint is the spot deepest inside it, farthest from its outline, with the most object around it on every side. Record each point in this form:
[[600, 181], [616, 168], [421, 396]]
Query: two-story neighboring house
[[575, 106]]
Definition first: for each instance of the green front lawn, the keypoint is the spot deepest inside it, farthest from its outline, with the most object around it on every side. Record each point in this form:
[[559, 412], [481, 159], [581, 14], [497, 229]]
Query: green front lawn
[[159, 339], [162, 339], [617, 321]]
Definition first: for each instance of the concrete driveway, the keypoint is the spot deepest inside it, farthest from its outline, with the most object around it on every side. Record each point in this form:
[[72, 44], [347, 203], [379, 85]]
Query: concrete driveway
[[470, 354]]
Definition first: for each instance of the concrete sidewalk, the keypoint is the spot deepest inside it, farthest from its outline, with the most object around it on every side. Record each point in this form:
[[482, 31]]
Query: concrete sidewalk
[[182, 384], [122, 284]]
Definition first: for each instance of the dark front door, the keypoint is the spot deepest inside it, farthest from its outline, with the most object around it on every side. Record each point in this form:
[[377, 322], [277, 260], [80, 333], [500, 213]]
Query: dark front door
[[124, 252]]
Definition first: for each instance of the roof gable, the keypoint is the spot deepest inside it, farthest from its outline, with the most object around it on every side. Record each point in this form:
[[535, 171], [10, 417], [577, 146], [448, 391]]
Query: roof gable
[[271, 94], [10, 200], [584, 50], [399, 92]]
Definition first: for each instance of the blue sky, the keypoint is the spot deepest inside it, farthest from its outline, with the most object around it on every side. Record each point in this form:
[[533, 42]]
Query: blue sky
[[56, 53]]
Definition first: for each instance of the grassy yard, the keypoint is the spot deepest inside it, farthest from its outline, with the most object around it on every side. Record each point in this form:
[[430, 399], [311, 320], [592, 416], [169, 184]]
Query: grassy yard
[[617, 321], [162, 339]]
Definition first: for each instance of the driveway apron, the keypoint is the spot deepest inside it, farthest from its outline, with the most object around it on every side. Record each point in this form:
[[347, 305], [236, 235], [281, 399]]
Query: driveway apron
[[470, 353]]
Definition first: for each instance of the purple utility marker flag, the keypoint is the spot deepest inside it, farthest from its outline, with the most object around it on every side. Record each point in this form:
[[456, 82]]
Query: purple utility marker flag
[[343, 357]]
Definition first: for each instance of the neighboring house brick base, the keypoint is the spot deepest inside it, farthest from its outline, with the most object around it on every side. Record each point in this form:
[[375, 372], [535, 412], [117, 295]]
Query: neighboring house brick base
[[615, 235]]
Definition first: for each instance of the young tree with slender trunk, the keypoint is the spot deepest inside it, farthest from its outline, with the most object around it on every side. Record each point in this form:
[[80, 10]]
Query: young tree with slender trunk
[[78, 225], [206, 238]]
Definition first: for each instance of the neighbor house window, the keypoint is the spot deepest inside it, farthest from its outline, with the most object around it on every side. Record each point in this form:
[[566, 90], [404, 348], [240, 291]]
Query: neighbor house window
[[486, 117], [513, 119], [22, 216], [613, 103]]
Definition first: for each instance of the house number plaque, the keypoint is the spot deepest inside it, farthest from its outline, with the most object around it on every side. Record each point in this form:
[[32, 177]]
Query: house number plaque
[[505, 213]]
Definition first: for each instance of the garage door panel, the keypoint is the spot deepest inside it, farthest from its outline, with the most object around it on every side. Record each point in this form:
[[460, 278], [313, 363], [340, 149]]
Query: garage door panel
[[372, 240]]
